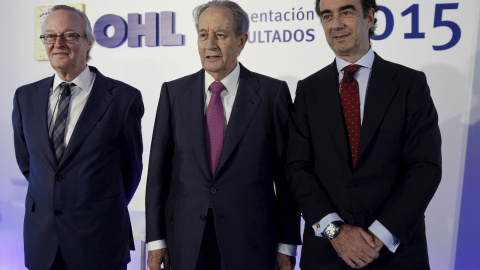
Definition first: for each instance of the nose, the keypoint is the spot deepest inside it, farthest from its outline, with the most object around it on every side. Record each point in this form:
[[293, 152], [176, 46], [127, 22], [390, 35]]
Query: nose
[[59, 42], [337, 23], [211, 42]]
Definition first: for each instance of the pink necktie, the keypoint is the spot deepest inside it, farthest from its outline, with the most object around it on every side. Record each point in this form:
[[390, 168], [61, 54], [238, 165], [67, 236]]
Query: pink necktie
[[351, 108], [215, 122]]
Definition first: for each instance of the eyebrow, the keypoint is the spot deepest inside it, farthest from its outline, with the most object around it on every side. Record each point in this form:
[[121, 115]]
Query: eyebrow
[[347, 7], [340, 9], [215, 31], [64, 30]]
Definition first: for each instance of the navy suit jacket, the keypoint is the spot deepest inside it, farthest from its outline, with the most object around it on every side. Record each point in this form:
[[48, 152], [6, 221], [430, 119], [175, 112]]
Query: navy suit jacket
[[398, 165], [80, 205], [252, 206]]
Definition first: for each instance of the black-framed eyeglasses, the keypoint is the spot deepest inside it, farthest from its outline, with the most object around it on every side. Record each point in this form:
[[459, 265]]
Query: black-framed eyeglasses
[[66, 37]]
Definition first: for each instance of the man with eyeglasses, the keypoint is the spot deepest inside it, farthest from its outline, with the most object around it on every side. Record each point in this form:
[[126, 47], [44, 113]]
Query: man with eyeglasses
[[78, 143]]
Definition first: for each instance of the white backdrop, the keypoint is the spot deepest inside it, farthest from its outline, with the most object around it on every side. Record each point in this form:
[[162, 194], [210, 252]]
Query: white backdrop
[[450, 74]]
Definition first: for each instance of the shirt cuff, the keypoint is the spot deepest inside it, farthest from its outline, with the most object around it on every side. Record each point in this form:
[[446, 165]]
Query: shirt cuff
[[388, 239], [158, 244], [290, 250], [320, 226]]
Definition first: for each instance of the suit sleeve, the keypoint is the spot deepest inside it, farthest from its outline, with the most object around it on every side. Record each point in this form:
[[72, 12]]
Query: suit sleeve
[[288, 215], [159, 169], [21, 149], [132, 146], [421, 169], [311, 197]]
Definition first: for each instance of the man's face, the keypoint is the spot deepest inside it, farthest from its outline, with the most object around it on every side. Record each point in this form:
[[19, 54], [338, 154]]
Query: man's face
[[67, 58], [217, 43], [346, 27]]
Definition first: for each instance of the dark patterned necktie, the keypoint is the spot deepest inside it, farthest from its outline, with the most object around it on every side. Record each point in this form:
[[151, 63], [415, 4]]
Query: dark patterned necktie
[[214, 126], [351, 108], [58, 133]]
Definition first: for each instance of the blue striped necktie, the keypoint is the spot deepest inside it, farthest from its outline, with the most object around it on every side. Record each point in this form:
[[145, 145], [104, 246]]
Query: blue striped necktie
[[58, 134]]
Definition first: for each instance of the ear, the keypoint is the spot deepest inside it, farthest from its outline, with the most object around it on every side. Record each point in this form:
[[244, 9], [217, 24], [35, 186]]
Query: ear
[[370, 17], [242, 41]]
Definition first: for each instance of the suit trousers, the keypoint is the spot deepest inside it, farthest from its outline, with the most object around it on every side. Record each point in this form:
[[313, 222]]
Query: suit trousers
[[59, 263], [209, 256]]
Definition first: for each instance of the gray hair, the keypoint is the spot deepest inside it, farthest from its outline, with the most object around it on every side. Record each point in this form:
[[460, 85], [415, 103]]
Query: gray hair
[[87, 27], [240, 17]]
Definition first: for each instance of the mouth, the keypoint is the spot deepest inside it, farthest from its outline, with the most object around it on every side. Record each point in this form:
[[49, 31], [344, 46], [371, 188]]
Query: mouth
[[60, 53], [338, 37], [213, 57]]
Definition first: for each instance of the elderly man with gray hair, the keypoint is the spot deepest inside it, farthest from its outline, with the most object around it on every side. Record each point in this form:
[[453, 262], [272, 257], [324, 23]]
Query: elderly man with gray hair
[[78, 142], [217, 197]]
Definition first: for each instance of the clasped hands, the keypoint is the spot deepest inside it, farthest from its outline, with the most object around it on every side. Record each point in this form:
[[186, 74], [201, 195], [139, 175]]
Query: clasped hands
[[355, 246]]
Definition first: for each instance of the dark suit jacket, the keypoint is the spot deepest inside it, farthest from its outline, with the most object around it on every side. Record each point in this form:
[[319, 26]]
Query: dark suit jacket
[[398, 166], [249, 219], [81, 204]]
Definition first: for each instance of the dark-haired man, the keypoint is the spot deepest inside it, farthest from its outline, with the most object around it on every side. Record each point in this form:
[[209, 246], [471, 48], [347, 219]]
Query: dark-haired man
[[363, 158]]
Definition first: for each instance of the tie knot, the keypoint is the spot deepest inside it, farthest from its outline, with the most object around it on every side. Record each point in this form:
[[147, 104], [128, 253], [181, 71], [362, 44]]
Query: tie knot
[[351, 68], [349, 72], [217, 87], [66, 88]]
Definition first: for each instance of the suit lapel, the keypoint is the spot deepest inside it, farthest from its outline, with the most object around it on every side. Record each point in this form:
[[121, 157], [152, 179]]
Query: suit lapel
[[193, 106], [97, 103], [246, 104], [40, 108], [380, 93], [330, 108]]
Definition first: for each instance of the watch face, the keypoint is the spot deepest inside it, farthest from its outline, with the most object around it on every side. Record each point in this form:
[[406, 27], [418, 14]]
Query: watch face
[[331, 230]]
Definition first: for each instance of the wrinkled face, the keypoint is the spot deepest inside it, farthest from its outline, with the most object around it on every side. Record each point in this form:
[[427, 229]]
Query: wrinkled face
[[67, 58], [346, 27], [218, 45]]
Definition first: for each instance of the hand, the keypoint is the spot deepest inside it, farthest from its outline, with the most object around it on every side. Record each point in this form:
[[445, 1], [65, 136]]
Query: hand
[[378, 243], [156, 257], [355, 246], [285, 262]]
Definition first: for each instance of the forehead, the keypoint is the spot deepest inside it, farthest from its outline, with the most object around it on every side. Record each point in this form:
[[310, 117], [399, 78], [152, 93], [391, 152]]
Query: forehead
[[333, 5], [215, 18], [64, 19]]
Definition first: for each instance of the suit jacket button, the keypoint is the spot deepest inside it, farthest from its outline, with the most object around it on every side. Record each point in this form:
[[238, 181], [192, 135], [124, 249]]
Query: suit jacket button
[[203, 218], [58, 213], [213, 190], [59, 178]]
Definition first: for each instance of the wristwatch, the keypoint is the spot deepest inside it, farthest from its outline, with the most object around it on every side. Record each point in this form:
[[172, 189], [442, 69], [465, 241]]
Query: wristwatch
[[332, 229]]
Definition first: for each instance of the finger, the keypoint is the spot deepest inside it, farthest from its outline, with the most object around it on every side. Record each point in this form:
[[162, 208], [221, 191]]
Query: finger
[[350, 263], [359, 263], [166, 262], [367, 237], [364, 258]]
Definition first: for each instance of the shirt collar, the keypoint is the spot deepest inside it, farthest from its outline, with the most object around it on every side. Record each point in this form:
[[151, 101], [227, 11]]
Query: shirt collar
[[365, 61], [82, 81], [230, 81]]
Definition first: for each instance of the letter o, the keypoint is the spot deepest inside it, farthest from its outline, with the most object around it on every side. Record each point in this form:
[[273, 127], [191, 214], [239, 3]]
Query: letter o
[[295, 35], [100, 30]]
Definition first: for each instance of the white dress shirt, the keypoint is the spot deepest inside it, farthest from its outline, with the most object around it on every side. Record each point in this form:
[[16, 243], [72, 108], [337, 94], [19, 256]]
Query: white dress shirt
[[80, 93], [363, 77], [228, 99]]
